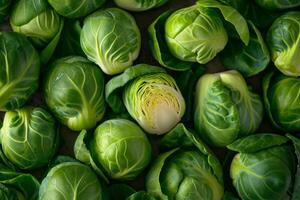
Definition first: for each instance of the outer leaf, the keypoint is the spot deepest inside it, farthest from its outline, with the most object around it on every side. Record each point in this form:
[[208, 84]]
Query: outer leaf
[[4, 8], [83, 154], [296, 188], [141, 196], [278, 4], [75, 9], [186, 82], [258, 142], [48, 51], [153, 183], [69, 43], [261, 17], [138, 5], [159, 48], [24, 185], [249, 60], [120, 192], [111, 89], [180, 136], [230, 15]]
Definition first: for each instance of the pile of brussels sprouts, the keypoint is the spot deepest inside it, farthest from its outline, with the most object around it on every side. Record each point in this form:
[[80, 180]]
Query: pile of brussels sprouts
[[122, 100]]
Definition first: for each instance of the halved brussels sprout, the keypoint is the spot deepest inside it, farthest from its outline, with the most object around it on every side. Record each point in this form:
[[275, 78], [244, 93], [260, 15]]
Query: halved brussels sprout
[[19, 70], [265, 166], [71, 180], [111, 39], [155, 102], [151, 97], [17, 186], [282, 101], [194, 34], [74, 9], [278, 4], [79, 102], [4, 6], [225, 108], [139, 5], [29, 138], [38, 21], [190, 172], [118, 146], [283, 39]]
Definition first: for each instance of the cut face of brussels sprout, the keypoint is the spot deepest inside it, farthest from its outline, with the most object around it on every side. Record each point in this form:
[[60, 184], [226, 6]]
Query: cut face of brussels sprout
[[282, 101], [139, 5], [225, 108], [193, 173], [4, 8], [155, 102], [28, 137], [17, 186], [283, 39], [263, 172], [79, 101], [278, 4], [111, 39], [74, 9], [71, 180], [35, 19], [195, 34], [19, 70], [121, 148]]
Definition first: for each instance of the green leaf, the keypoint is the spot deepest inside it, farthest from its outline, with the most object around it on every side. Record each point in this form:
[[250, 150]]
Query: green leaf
[[120, 192], [159, 48], [153, 184], [296, 188], [249, 60], [114, 99], [186, 82], [83, 154], [258, 142], [48, 51], [230, 15], [141, 196]]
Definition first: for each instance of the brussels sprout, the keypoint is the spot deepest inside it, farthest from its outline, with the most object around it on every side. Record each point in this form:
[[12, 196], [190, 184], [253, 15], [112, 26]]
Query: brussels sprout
[[194, 34], [278, 4], [17, 186], [28, 137], [79, 102], [150, 96], [282, 101], [225, 109], [38, 21], [19, 70], [4, 6], [283, 39], [249, 60], [264, 167], [71, 180], [190, 172], [74, 9], [111, 39], [139, 5], [118, 146]]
